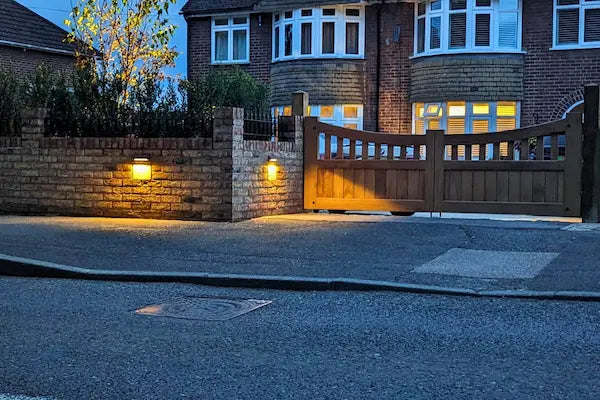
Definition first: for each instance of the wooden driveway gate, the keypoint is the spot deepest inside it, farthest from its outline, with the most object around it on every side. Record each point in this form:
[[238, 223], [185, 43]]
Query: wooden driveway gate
[[535, 170]]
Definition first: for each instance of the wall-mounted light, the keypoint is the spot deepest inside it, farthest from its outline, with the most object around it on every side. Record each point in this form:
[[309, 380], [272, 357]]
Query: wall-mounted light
[[141, 169], [272, 168]]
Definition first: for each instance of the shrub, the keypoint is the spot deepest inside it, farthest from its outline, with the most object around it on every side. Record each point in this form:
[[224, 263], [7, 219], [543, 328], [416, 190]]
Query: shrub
[[84, 104]]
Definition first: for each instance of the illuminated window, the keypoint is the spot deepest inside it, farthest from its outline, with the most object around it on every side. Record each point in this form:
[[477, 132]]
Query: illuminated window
[[230, 40], [349, 116], [460, 117]]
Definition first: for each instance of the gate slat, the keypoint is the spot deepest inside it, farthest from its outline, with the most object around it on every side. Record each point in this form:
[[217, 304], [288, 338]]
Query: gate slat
[[490, 186], [502, 187], [539, 148], [539, 186], [391, 184], [369, 184], [390, 152], [378, 151], [526, 186], [348, 183], [402, 187], [554, 151], [339, 151], [365, 150], [478, 186], [551, 195], [327, 147], [338, 183], [514, 186], [482, 152], [359, 183], [496, 154], [352, 149]]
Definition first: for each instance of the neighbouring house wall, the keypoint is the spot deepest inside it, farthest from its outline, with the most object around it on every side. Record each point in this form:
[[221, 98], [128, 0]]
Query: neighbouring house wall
[[553, 80], [199, 48], [26, 61], [195, 179]]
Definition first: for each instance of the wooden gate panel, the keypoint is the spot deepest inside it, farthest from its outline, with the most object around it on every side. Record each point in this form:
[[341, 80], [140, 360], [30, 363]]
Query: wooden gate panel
[[352, 170], [518, 172]]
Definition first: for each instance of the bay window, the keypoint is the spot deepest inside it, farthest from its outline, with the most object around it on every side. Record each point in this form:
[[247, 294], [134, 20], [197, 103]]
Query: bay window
[[230, 40], [576, 23], [344, 115], [458, 26], [466, 117], [330, 31]]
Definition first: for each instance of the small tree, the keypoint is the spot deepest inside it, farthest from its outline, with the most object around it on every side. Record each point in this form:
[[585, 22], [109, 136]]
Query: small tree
[[129, 39]]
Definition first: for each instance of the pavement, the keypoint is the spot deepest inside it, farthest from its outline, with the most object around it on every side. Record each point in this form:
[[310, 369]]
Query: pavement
[[72, 340], [518, 255]]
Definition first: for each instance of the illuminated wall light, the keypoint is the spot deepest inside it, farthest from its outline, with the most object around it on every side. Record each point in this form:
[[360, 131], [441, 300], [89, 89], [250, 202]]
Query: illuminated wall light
[[272, 169], [141, 169]]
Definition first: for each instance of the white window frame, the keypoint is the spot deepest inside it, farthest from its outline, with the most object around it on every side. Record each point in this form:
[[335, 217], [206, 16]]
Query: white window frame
[[582, 6], [494, 10], [338, 114], [317, 19], [492, 117], [229, 28]]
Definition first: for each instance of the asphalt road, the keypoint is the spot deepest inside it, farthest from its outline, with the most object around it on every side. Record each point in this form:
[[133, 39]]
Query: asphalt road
[[379, 251], [75, 340]]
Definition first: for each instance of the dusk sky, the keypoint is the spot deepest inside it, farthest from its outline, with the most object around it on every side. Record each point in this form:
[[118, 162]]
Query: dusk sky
[[58, 10]]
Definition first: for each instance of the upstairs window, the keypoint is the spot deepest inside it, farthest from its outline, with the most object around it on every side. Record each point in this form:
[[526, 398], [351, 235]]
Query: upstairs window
[[459, 26], [576, 23], [230, 40], [327, 32]]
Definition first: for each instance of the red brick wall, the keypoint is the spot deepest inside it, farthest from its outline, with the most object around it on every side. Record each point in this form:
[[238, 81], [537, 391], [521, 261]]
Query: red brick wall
[[395, 110], [553, 79], [199, 47], [26, 61]]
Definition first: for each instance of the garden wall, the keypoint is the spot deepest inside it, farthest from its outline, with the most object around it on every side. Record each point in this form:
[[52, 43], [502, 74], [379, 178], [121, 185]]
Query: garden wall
[[223, 178]]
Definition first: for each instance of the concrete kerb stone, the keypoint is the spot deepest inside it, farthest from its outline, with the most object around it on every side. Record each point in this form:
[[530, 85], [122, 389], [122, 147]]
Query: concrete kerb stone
[[28, 268]]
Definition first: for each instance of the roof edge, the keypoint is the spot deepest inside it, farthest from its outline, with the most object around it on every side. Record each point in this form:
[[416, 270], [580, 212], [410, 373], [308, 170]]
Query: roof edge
[[36, 48]]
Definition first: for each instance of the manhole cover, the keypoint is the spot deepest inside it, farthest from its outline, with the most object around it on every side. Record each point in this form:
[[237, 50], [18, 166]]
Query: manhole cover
[[204, 308]]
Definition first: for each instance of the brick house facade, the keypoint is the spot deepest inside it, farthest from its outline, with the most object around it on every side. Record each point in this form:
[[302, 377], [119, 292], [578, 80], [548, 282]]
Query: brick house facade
[[538, 79], [28, 40]]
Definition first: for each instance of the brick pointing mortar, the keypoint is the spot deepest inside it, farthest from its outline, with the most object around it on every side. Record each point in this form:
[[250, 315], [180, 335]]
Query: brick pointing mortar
[[192, 179]]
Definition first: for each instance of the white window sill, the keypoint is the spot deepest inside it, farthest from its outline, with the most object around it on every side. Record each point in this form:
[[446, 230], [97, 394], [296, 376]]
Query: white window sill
[[229, 62], [576, 47], [325, 57], [474, 52]]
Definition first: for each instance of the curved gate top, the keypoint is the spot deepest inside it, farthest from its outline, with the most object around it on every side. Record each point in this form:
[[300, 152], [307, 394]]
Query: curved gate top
[[534, 170]]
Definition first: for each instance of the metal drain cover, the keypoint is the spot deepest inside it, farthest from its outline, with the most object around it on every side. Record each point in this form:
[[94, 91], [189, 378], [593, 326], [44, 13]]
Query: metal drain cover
[[204, 308]]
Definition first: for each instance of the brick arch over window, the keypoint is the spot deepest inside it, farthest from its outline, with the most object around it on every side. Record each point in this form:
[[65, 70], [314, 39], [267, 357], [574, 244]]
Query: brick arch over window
[[565, 104]]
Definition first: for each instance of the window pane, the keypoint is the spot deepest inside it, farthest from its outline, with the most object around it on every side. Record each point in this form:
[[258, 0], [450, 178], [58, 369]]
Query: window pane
[[351, 38], [433, 124], [481, 109], [306, 47], [436, 5], [592, 25], [421, 35], [276, 44], [456, 126], [240, 20], [328, 37], [326, 111], [288, 40], [421, 8], [221, 21], [420, 109], [435, 41], [221, 39], [458, 31], [288, 14], [306, 13], [457, 109], [287, 111], [239, 45], [329, 11], [506, 124], [458, 4], [507, 109], [483, 3], [481, 126], [351, 126], [482, 30], [419, 127], [508, 30], [568, 26], [353, 12], [350, 112]]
